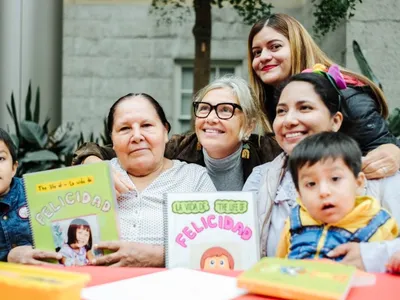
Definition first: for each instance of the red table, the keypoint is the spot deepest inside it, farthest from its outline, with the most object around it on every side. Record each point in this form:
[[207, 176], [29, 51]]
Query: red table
[[387, 286]]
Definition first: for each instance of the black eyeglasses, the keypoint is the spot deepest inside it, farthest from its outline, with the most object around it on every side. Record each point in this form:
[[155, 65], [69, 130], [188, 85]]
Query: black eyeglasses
[[224, 111]]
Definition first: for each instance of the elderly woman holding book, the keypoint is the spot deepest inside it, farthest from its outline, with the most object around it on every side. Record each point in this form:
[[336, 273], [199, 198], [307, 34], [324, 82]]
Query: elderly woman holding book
[[139, 132], [226, 115]]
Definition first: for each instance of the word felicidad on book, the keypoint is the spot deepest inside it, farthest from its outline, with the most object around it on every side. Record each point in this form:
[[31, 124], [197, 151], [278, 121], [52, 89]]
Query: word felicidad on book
[[211, 221], [71, 198]]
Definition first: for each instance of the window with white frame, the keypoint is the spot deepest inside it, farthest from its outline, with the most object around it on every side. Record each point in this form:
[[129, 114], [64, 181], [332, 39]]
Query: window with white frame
[[184, 89]]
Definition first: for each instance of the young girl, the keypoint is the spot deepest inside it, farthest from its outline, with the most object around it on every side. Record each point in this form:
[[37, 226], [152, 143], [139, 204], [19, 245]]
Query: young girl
[[77, 250]]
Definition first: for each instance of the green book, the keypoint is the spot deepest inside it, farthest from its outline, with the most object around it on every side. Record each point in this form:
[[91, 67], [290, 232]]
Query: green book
[[298, 279], [71, 209]]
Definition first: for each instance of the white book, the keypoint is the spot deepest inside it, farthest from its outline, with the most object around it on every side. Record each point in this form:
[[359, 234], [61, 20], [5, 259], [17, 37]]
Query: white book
[[177, 284], [211, 230]]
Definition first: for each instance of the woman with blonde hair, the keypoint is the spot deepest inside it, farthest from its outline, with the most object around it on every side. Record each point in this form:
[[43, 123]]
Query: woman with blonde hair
[[226, 115], [279, 47]]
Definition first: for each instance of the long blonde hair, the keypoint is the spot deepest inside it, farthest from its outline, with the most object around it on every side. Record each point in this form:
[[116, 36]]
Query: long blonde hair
[[304, 54]]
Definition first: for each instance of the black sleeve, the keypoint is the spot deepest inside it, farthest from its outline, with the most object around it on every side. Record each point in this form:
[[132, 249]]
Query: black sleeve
[[367, 126]]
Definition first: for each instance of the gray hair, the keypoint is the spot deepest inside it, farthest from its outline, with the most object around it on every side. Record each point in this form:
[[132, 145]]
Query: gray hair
[[246, 98]]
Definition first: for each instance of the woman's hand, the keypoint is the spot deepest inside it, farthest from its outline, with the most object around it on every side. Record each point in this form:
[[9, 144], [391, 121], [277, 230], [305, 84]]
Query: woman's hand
[[121, 186], [29, 256], [382, 162], [130, 254], [351, 253]]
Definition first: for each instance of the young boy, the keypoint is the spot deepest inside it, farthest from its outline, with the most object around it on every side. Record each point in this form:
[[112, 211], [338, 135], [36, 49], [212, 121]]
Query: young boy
[[14, 230], [326, 170]]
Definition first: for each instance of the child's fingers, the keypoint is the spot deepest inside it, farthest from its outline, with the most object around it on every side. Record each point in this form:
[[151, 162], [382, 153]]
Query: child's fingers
[[121, 185], [339, 250]]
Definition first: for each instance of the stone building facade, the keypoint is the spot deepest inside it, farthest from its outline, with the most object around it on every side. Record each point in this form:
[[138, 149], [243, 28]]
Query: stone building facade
[[113, 47]]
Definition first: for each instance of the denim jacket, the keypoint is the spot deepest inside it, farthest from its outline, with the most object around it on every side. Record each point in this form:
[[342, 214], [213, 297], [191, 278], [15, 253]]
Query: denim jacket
[[14, 218]]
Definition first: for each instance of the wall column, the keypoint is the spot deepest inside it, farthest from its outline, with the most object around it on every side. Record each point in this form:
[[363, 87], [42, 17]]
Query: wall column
[[31, 50]]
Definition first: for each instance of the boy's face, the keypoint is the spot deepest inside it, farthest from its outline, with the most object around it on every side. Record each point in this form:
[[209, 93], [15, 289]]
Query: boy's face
[[7, 169], [328, 189]]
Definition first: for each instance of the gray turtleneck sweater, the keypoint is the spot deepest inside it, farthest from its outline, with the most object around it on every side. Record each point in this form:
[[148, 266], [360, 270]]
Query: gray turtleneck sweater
[[226, 173]]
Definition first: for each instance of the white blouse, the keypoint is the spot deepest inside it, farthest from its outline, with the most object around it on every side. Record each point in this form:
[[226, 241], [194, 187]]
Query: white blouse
[[141, 214]]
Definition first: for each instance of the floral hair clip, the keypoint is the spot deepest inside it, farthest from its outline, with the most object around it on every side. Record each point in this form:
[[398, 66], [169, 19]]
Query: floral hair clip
[[334, 77], [333, 74]]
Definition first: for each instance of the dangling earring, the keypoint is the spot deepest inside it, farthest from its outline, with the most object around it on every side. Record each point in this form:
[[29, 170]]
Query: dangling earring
[[198, 146], [246, 149]]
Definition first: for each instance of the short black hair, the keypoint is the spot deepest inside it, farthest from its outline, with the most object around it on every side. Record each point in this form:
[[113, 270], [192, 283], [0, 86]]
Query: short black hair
[[322, 146], [158, 108], [5, 137]]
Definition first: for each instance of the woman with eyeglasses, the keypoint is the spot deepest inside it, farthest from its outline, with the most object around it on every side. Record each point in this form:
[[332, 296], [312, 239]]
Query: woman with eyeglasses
[[226, 114]]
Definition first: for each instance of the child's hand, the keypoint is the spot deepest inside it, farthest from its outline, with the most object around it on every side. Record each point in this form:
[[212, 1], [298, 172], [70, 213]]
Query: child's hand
[[393, 265], [121, 185]]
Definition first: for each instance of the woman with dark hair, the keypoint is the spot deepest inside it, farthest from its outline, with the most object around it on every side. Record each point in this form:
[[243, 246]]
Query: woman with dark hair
[[226, 118], [139, 132], [308, 103], [279, 47]]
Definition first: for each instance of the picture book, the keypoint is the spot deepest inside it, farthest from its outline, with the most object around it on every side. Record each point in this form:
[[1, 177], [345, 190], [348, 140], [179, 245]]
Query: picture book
[[298, 279], [71, 209], [211, 230], [22, 282], [360, 278]]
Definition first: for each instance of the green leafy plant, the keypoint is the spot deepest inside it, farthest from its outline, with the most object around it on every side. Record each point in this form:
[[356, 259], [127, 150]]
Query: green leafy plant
[[38, 149], [394, 118], [91, 139], [363, 64], [104, 137], [329, 14], [394, 122]]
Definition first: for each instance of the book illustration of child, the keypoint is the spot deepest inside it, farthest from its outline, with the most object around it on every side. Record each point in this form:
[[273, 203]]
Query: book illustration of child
[[326, 170], [216, 258], [77, 251], [15, 228]]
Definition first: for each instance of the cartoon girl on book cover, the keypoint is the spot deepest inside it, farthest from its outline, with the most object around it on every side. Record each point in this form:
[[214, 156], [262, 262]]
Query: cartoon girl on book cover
[[217, 258], [77, 251]]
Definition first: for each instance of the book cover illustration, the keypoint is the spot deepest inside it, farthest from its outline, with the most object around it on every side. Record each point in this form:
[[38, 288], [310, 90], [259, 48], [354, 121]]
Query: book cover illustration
[[211, 230], [297, 279], [71, 209]]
